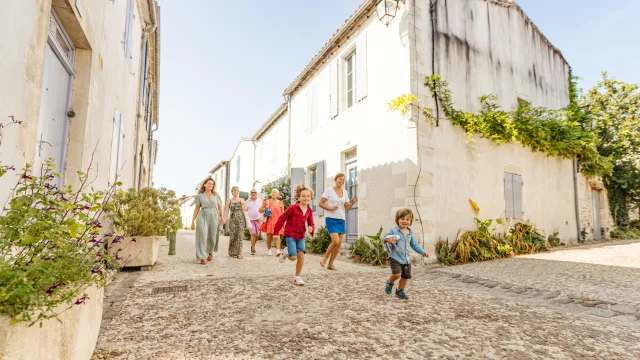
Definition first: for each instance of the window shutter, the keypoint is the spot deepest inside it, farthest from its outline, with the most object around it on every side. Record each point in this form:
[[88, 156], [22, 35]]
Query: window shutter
[[508, 195], [314, 106], [297, 176], [117, 140], [517, 197], [238, 170], [128, 36], [319, 185], [333, 88], [309, 95], [361, 66]]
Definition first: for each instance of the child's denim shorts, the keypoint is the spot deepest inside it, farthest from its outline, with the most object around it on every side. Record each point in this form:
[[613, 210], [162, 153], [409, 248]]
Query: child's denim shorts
[[293, 246]]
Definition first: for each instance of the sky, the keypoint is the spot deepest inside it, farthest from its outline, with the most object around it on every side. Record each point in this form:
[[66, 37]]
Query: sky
[[225, 64]]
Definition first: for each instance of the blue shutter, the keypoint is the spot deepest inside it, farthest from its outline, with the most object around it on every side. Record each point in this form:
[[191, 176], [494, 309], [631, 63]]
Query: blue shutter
[[319, 185]]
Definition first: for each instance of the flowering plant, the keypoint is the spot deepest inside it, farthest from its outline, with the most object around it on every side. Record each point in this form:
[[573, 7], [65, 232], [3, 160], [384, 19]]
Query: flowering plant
[[51, 248], [140, 212], [283, 185]]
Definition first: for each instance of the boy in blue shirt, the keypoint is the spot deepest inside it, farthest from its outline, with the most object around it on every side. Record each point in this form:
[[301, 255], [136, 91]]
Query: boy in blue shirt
[[398, 241]]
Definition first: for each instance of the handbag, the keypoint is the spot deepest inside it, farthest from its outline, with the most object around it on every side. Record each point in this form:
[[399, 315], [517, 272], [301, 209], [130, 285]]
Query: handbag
[[246, 219], [266, 214]]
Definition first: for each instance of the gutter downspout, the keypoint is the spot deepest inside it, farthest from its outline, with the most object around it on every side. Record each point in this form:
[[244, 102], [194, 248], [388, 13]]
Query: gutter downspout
[[156, 55], [576, 198], [287, 98], [255, 146], [145, 34]]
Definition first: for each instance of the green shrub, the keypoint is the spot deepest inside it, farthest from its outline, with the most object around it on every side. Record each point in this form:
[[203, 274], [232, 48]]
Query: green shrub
[[51, 247], [139, 213], [630, 234], [371, 251], [319, 243], [247, 234], [635, 224], [443, 252], [554, 240]]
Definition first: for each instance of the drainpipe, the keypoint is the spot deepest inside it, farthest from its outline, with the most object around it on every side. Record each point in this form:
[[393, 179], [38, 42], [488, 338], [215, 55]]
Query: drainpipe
[[255, 146], [156, 55], [145, 34], [576, 198], [287, 98]]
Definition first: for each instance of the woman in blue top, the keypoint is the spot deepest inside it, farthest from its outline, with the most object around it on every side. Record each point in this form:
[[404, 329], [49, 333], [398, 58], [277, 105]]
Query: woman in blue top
[[335, 202], [400, 238]]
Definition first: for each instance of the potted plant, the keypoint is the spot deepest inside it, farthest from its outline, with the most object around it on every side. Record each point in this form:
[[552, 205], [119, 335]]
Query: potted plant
[[359, 249], [53, 265], [140, 223], [378, 255]]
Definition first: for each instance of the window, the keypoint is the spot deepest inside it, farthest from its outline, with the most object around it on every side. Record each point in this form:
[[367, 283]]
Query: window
[[128, 36], [513, 195], [117, 141], [313, 181], [350, 78], [144, 75], [351, 170], [238, 170]]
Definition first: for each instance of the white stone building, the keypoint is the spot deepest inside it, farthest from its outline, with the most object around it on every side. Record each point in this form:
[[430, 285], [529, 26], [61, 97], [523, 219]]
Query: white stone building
[[83, 77], [271, 148], [338, 120], [241, 167]]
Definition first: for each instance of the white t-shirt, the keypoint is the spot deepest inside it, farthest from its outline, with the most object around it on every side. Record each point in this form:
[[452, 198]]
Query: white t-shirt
[[333, 200]]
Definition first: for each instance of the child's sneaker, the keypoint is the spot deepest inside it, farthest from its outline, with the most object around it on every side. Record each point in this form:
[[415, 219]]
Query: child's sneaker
[[401, 294], [278, 252], [283, 256], [298, 281], [269, 253], [389, 288]]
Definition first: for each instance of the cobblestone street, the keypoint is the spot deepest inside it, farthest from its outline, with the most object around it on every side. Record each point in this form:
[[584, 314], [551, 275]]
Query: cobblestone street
[[573, 304]]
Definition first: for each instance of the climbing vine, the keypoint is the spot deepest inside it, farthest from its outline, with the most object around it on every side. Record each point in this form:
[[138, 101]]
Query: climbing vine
[[554, 132]]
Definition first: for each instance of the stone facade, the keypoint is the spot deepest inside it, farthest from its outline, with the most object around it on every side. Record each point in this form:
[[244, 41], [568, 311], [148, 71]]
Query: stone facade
[[113, 66]]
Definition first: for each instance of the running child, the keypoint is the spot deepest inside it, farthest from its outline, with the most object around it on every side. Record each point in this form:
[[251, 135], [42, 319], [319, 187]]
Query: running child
[[397, 242], [296, 217]]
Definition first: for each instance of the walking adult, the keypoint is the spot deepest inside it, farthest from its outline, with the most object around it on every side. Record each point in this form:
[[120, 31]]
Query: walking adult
[[206, 220], [237, 223], [335, 202], [253, 205], [272, 209]]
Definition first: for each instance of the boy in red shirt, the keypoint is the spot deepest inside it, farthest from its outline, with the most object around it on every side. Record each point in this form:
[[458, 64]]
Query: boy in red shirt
[[296, 217]]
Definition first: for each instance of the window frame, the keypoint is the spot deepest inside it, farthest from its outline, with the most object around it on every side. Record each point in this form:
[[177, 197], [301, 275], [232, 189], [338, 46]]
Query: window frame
[[349, 59], [127, 43]]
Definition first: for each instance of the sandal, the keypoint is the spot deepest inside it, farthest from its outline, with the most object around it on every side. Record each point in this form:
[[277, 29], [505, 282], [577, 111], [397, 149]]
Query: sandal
[[210, 257], [203, 262], [331, 267], [323, 262], [237, 257]]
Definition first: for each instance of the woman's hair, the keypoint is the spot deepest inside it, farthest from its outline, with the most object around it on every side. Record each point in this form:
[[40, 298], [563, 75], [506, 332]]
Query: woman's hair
[[201, 190], [276, 190], [338, 175], [235, 188], [298, 190], [402, 213]]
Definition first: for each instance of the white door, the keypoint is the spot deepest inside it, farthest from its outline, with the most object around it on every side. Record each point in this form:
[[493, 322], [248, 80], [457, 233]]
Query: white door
[[597, 227], [52, 125], [351, 173]]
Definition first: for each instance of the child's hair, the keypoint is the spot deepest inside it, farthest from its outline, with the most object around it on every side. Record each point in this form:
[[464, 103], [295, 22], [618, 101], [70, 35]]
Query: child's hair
[[402, 213], [299, 189]]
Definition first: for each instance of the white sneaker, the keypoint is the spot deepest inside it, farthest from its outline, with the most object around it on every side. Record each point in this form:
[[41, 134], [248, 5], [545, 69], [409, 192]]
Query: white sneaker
[[269, 253], [278, 252], [298, 281], [283, 256]]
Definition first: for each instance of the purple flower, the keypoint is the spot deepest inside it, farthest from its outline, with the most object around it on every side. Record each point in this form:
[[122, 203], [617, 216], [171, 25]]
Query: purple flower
[[115, 241], [25, 176], [51, 208], [62, 198], [47, 258], [81, 301], [97, 271], [53, 287], [133, 240]]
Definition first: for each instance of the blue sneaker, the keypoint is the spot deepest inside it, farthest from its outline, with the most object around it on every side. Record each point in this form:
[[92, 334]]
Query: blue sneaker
[[389, 288], [401, 294]]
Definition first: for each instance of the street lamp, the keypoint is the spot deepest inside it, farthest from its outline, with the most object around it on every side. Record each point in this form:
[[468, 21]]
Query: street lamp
[[386, 10]]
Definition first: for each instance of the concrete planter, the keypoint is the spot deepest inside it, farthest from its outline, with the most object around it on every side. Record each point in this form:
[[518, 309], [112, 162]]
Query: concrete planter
[[142, 252], [73, 337]]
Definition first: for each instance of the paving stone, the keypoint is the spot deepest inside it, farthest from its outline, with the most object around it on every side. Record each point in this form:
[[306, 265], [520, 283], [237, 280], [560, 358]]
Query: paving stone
[[625, 309], [551, 295], [491, 284], [563, 301], [469, 280], [625, 318], [506, 286], [601, 313], [603, 306], [455, 275]]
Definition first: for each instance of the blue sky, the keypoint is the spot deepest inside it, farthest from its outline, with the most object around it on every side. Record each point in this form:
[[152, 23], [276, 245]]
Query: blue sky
[[224, 65]]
